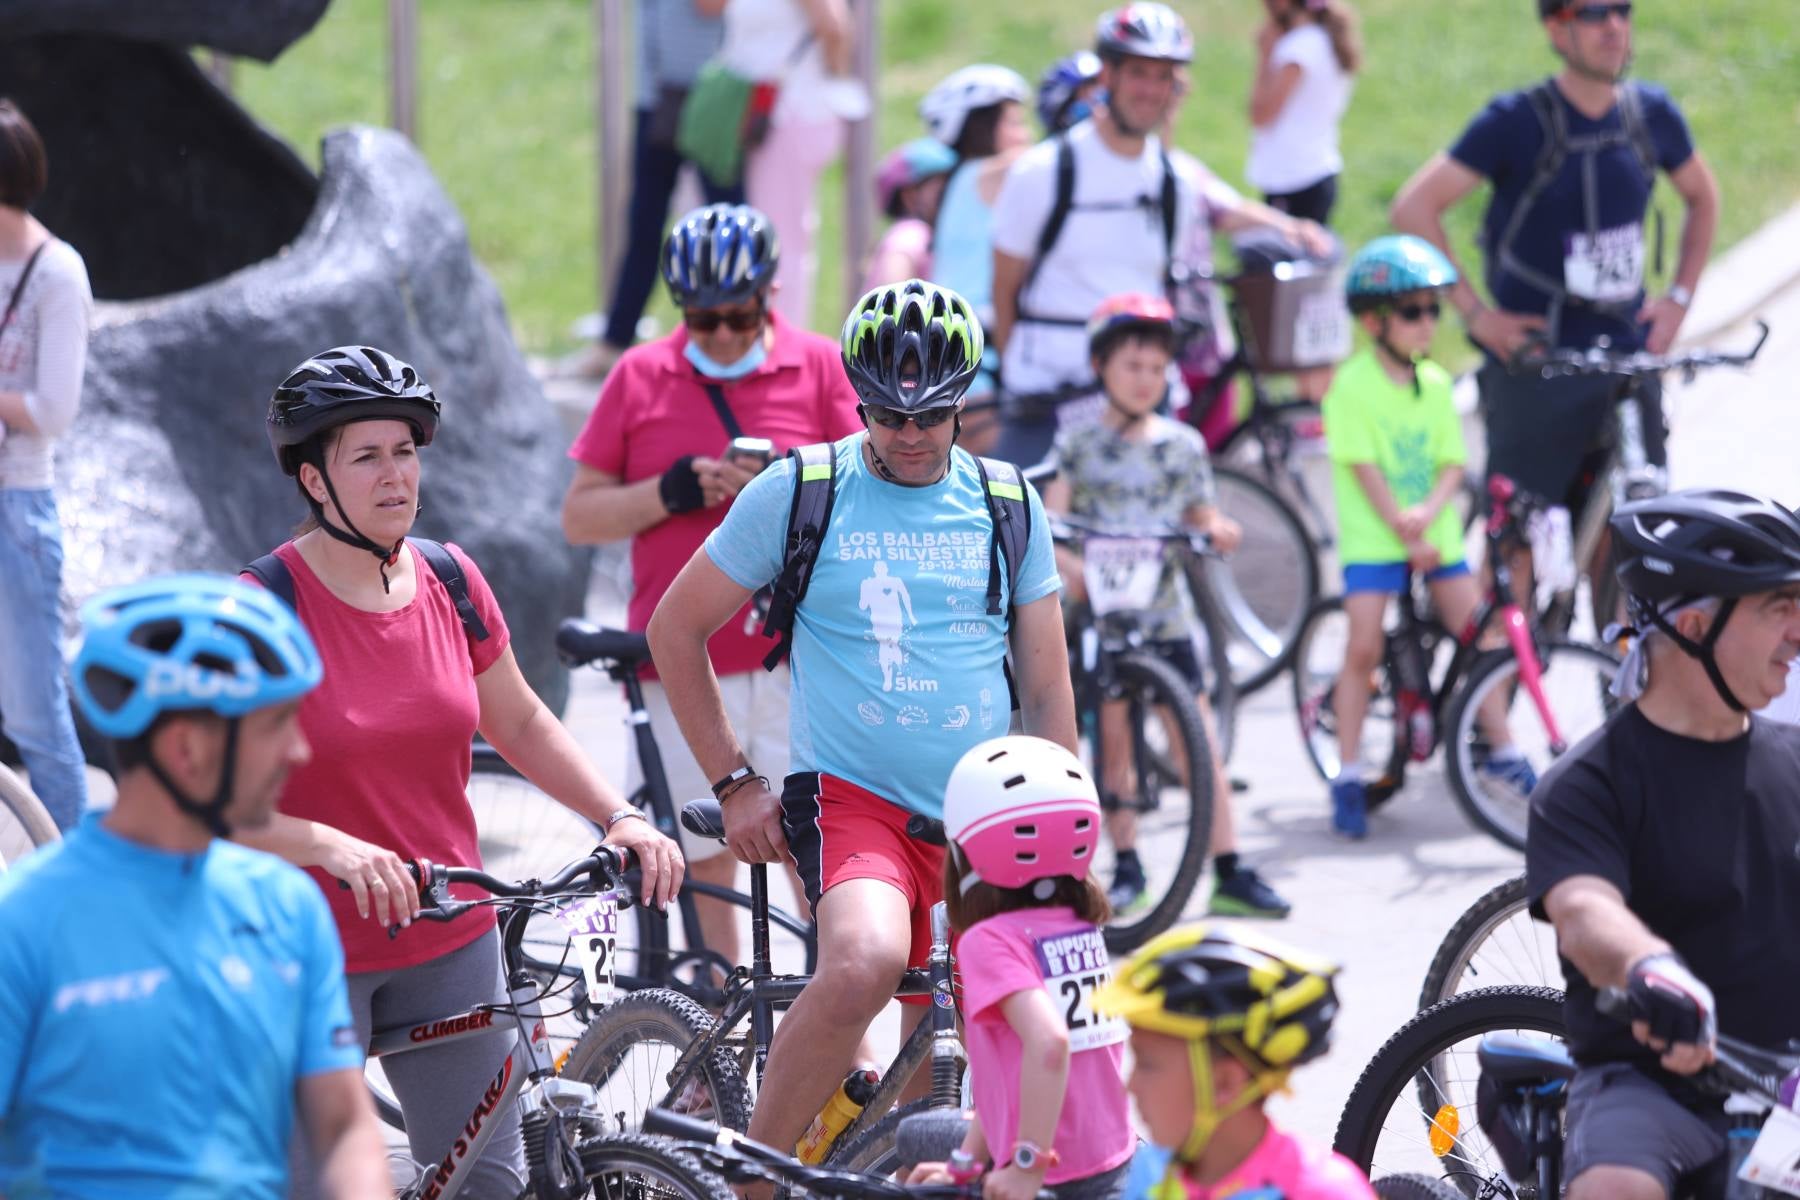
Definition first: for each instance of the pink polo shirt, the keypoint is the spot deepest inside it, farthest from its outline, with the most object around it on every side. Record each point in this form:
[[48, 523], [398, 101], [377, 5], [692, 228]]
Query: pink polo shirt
[[654, 410]]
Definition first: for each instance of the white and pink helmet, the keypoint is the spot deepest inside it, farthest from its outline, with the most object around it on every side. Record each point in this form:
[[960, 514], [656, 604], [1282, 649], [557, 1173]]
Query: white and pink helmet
[[1021, 809]]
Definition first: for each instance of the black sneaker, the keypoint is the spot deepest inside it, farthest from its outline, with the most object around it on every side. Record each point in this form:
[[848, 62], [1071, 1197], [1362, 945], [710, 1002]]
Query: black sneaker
[[1129, 888], [1246, 894]]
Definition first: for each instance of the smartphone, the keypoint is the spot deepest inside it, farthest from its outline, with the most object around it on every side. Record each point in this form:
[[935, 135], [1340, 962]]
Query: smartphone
[[762, 450]]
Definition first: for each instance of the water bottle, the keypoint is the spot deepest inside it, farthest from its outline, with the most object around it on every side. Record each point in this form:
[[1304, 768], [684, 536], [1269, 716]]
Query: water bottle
[[857, 1090], [1745, 1119], [1414, 695]]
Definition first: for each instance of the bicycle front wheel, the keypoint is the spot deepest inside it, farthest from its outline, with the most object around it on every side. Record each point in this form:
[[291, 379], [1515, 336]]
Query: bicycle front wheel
[[1167, 784], [1270, 581], [636, 1166], [1495, 942], [1492, 707], [1420, 1089], [630, 1050], [1318, 660], [25, 823]]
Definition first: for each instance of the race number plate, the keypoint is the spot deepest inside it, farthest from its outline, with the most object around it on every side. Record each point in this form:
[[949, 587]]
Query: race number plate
[[1772, 1162], [1321, 330], [1122, 574], [593, 925], [1075, 966], [1607, 266]]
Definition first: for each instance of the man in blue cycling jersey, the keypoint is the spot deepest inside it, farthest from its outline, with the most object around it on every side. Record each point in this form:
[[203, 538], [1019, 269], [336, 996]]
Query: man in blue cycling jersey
[[168, 998]]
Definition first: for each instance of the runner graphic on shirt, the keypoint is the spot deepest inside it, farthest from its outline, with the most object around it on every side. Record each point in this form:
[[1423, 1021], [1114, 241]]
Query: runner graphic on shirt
[[884, 596]]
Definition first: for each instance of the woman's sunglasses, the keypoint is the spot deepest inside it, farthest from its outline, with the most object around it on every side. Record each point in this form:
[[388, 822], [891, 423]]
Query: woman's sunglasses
[[896, 418], [706, 320], [1596, 14], [1417, 312]]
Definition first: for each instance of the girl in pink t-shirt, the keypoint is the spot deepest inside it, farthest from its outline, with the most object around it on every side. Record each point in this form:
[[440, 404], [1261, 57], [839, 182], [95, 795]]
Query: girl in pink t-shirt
[[1023, 818]]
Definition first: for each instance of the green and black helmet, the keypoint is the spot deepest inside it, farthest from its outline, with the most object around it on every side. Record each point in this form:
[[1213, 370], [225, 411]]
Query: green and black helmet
[[911, 346]]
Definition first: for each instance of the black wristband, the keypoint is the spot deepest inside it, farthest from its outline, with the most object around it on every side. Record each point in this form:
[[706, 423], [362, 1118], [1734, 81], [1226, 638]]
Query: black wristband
[[680, 488]]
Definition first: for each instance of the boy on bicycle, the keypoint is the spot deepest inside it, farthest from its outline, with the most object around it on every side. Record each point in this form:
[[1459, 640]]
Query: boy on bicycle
[[1397, 459], [1219, 1019], [1135, 469]]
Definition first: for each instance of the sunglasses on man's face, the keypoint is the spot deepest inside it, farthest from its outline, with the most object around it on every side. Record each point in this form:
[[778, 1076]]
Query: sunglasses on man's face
[[706, 320], [1597, 14], [1417, 312], [896, 418]]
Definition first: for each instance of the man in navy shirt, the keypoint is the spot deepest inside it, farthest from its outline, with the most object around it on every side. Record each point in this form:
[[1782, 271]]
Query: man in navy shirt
[[1572, 162]]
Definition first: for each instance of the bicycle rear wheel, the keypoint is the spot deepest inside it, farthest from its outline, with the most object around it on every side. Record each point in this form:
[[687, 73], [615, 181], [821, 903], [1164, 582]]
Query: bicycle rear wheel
[[1423, 1081], [637, 1166], [1171, 773], [1495, 942], [630, 1050], [25, 824], [1318, 660], [1496, 796], [1414, 1187], [1270, 581]]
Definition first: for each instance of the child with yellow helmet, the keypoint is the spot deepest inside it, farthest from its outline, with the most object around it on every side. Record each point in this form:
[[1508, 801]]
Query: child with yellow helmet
[[1219, 1018]]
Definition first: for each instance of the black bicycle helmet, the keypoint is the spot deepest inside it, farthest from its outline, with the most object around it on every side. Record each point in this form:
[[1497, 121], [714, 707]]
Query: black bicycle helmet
[[345, 384], [720, 254], [1699, 543], [912, 346], [1143, 30]]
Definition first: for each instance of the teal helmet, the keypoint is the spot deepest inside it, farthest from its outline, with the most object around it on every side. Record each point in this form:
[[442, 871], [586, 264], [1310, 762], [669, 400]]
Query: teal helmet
[[911, 345], [1392, 266]]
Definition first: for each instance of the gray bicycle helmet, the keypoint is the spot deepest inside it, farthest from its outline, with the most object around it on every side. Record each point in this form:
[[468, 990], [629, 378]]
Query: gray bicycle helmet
[[720, 254], [1143, 30], [341, 385], [911, 346], [1699, 543]]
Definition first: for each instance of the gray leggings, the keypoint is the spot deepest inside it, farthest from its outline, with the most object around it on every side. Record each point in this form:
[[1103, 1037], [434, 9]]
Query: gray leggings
[[437, 1089]]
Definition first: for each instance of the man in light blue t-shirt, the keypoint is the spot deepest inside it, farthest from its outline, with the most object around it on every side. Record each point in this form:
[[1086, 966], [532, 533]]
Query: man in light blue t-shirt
[[169, 999], [899, 666]]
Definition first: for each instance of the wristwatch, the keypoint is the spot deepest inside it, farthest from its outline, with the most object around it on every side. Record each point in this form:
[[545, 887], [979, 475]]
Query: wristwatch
[[1031, 1157], [1681, 295]]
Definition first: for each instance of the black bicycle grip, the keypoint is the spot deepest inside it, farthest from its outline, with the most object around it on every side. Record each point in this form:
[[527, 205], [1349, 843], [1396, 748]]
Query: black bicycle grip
[[664, 1123], [922, 828]]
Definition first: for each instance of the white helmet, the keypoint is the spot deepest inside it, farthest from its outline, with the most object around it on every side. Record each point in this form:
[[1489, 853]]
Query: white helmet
[[1021, 809], [946, 106]]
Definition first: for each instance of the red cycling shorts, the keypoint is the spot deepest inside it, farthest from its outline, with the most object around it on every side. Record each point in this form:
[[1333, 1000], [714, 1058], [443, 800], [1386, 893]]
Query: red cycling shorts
[[837, 831]]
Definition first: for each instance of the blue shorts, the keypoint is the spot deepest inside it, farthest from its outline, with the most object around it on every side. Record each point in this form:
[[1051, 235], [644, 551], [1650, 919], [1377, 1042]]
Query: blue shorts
[[1392, 577]]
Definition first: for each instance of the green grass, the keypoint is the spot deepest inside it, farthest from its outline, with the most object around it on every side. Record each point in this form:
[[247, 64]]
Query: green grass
[[506, 109]]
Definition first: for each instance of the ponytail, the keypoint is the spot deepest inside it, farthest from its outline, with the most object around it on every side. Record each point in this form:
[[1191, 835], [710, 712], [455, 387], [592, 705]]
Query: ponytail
[[1341, 25]]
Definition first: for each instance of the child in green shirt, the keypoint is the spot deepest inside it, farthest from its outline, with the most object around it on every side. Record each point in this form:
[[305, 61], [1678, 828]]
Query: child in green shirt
[[1397, 458]]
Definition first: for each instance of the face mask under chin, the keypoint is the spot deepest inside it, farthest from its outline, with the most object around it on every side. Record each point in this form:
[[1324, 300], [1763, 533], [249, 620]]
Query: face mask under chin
[[712, 369]]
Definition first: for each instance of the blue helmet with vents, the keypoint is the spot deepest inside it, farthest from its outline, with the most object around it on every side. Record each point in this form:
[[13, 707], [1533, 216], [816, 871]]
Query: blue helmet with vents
[[1392, 266], [720, 254], [184, 643]]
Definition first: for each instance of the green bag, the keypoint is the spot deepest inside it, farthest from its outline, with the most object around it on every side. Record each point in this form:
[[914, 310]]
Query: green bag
[[711, 133]]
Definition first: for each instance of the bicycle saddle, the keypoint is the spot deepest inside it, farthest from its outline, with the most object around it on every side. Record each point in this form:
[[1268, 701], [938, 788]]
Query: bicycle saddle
[[1517, 1060], [580, 642], [704, 818]]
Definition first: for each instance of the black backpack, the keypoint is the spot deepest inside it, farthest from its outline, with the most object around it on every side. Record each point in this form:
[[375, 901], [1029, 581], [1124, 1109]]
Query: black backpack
[[815, 471], [273, 574]]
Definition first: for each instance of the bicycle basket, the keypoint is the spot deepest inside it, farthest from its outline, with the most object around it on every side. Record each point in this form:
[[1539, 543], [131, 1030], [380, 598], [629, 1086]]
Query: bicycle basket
[[1292, 308]]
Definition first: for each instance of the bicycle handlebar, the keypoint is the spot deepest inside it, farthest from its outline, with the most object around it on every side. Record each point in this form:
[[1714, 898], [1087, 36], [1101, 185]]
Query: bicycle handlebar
[[608, 869], [742, 1160], [1067, 530], [1601, 359], [1738, 1066]]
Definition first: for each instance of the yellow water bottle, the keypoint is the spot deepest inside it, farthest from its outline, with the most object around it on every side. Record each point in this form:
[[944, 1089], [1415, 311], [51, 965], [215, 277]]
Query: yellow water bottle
[[858, 1089]]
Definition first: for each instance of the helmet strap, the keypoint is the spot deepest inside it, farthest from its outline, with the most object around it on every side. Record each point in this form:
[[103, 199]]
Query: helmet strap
[[1702, 650], [211, 814], [350, 535], [1208, 1114], [1409, 361]]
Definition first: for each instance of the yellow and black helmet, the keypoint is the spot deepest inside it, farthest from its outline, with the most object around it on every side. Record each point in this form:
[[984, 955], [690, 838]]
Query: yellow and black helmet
[[1207, 981]]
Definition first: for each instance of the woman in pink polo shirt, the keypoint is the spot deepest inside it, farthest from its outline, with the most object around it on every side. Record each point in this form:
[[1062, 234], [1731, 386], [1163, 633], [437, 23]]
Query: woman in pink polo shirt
[[406, 688], [654, 465]]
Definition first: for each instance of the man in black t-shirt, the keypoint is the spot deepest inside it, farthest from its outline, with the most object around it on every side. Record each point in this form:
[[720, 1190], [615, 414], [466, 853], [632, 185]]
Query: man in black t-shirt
[[1666, 847], [1572, 162]]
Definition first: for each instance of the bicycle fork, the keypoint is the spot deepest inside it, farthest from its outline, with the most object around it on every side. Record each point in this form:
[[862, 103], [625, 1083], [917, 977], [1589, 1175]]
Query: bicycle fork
[[946, 1047], [1531, 672]]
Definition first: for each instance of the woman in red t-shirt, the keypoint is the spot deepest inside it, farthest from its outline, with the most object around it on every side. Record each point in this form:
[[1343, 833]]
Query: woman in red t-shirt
[[406, 688]]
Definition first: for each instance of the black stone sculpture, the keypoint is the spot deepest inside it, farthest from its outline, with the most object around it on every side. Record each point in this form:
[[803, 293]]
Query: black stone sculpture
[[220, 263]]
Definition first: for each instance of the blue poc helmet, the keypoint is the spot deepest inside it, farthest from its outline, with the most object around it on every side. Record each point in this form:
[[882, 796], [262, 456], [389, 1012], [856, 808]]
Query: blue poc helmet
[[189, 643], [1057, 105], [720, 254], [1392, 266]]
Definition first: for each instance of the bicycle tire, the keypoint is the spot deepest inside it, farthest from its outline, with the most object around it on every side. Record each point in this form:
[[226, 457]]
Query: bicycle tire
[[1270, 581], [657, 1016], [1415, 1059], [875, 1151], [1413, 1187], [1580, 703], [25, 824], [1148, 685], [1220, 687], [1487, 930], [1318, 658], [618, 1166]]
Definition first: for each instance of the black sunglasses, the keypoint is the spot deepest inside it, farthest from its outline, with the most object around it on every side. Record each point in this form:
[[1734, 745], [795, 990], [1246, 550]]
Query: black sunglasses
[[896, 418], [1596, 14], [1414, 312], [707, 320]]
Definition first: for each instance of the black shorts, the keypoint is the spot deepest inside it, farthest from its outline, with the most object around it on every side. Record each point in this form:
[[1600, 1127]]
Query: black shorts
[[1551, 436], [1311, 203], [1620, 1117]]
